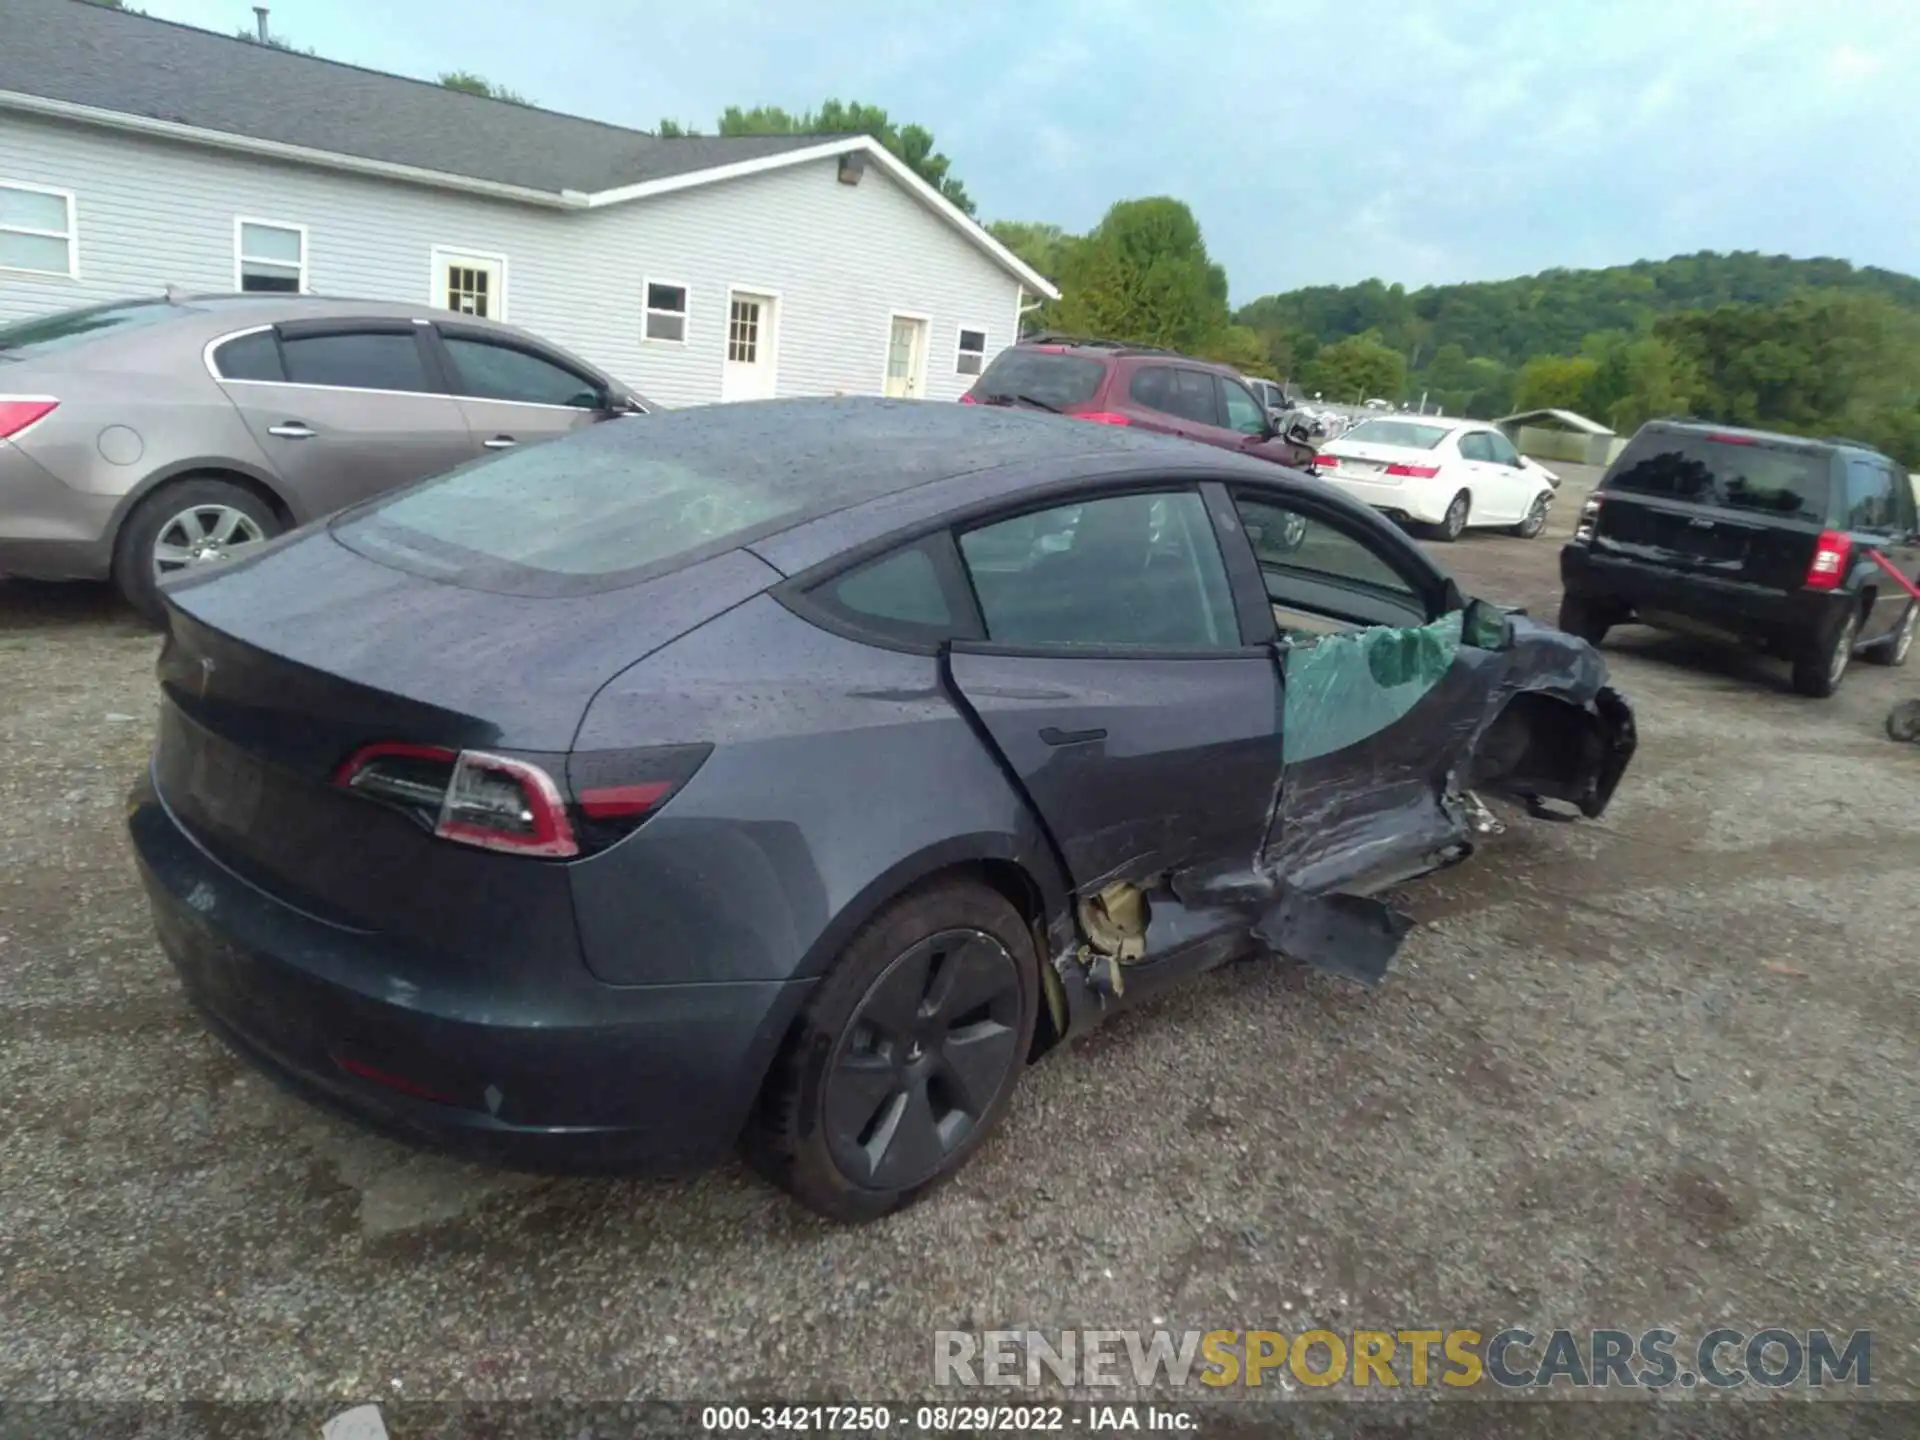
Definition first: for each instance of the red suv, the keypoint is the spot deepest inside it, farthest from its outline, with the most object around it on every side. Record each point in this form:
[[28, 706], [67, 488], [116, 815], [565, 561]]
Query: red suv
[[1114, 384]]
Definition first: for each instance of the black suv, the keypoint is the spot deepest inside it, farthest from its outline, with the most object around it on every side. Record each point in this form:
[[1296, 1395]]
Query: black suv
[[1750, 537]]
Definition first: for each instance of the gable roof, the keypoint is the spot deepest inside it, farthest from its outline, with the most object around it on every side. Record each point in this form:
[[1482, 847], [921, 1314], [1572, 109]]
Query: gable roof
[[80, 61], [1564, 419]]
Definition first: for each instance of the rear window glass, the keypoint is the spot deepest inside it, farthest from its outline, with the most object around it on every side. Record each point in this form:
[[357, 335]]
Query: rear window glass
[[586, 511], [1398, 432], [1052, 379], [1736, 475], [28, 339]]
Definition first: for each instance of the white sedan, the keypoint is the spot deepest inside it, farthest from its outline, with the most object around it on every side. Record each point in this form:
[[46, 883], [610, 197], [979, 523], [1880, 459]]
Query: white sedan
[[1443, 473]]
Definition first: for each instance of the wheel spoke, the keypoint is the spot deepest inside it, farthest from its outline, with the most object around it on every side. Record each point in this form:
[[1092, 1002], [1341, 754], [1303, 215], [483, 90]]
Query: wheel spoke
[[907, 1148], [229, 521], [172, 555], [894, 1003], [967, 977], [974, 1062], [860, 1088], [192, 528]]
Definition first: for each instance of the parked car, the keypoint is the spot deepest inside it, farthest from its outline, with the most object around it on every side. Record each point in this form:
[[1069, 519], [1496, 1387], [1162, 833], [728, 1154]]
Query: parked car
[[1750, 537], [147, 437], [1446, 474], [1157, 390], [1269, 393], [613, 801]]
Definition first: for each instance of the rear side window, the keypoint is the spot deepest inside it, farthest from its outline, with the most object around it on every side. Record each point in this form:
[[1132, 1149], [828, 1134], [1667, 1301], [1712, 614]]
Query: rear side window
[[901, 589], [370, 360], [1188, 394], [1870, 502], [250, 357], [1051, 378], [1732, 472], [1474, 446]]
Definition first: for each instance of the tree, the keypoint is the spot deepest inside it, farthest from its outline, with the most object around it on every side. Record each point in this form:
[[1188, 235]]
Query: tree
[[1358, 368], [1143, 275], [272, 42], [1045, 248], [1554, 382], [674, 130], [912, 143], [473, 84]]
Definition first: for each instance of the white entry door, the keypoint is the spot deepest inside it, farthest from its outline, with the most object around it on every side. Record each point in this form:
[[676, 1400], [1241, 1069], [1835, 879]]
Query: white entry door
[[907, 358], [753, 340]]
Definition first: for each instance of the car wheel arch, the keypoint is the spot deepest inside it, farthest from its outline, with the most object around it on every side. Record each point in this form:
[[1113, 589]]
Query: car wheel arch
[[264, 486]]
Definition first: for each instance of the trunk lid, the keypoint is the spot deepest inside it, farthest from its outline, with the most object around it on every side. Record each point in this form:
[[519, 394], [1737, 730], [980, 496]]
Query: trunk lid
[[1729, 505], [276, 671], [1361, 461]]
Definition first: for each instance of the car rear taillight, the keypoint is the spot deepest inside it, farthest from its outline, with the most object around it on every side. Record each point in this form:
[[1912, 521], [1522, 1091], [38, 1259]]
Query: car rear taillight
[[967, 399], [1829, 565], [497, 802], [17, 412], [1733, 439], [1323, 461], [1103, 417], [467, 796], [1413, 472]]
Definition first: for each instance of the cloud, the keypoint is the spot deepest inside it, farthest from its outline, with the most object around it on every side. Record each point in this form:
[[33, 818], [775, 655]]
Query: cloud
[[1849, 62]]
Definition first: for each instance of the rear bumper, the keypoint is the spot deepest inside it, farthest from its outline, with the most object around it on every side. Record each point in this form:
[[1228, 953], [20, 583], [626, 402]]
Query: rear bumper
[[50, 531], [567, 1075], [1408, 500], [1675, 600]]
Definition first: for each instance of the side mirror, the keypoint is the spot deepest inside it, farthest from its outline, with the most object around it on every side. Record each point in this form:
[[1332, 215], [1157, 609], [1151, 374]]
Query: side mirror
[[1486, 627]]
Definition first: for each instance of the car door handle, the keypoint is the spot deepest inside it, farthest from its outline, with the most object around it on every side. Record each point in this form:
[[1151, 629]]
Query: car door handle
[[1054, 736], [500, 442], [292, 430]]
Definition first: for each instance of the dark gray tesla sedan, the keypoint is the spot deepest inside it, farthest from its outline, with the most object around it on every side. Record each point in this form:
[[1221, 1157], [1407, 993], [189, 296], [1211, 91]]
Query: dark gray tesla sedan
[[791, 774]]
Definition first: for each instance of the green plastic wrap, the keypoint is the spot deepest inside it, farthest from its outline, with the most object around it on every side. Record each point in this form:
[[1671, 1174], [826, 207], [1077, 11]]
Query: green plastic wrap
[[1344, 688]]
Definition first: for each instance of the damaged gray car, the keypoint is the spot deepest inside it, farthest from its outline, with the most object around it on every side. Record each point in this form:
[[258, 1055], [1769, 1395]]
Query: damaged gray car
[[790, 775]]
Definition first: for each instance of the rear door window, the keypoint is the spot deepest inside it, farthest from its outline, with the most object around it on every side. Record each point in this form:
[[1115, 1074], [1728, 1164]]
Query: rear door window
[[1500, 449], [358, 360], [1244, 413], [1321, 579], [250, 357], [1473, 446], [1734, 472], [1052, 378]]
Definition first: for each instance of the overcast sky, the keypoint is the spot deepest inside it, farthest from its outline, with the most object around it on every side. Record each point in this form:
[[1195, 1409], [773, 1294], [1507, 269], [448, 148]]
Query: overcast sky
[[1318, 141]]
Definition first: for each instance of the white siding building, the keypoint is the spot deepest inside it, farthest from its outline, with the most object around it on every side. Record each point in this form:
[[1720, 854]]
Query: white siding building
[[137, 154]]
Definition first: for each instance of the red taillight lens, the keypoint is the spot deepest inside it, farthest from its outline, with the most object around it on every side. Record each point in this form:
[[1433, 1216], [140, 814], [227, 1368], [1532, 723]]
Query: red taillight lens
[[502, 804], [17, 412], [1829, 565], [1103, 417], [467, 796], [1414, 472], [1324, 461], [1733, 440], [967, 399]]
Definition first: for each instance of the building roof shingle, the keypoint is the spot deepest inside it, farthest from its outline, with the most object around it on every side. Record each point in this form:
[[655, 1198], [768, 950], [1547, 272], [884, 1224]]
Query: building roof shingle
[[86, 54]]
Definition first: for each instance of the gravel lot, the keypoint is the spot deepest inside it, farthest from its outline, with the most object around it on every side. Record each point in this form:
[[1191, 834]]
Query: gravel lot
[[1658, 1070]]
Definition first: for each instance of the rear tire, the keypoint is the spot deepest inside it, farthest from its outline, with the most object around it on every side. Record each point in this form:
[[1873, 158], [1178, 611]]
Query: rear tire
[[1893, 651], [865, 1109], [1584, 619], [156, 515], [1817, 675], [1536, 520], [1454, 524]]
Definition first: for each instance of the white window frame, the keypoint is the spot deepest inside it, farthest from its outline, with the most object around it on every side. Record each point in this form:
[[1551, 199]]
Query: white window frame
[[685, 312], [986, 340], [71, 234], [441, 256], [240, 257]]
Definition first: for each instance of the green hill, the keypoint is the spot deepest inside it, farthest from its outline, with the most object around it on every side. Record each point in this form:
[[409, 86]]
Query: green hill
[[1552, 313]]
